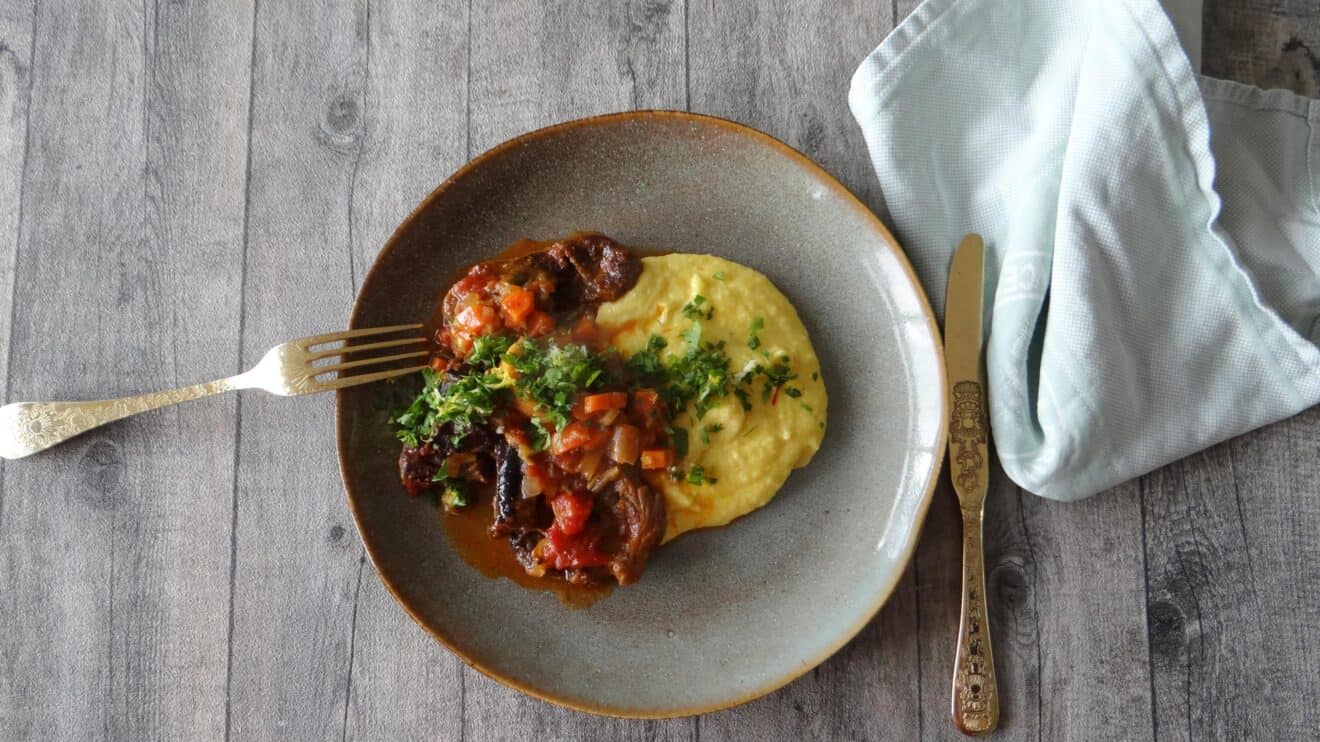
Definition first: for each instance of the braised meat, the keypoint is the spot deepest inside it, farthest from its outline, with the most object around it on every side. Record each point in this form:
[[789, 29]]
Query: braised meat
[[527, 396]]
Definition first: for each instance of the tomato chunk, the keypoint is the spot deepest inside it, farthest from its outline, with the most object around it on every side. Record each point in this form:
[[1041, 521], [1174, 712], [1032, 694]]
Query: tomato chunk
[[572, 509], [564, 551], [657, 458], [608, 401], [517, 304]]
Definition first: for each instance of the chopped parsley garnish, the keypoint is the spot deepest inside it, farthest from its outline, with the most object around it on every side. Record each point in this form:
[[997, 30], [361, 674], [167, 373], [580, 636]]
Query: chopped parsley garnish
[[719, 276], [753, 341], [455, 494], [489, 350], [540, 436], [463, 404], [552, 375], [697, 475], [805, 406], [692, 335], [647, 366], [699, 377], [814, 376], [699, 308], [679, 437]]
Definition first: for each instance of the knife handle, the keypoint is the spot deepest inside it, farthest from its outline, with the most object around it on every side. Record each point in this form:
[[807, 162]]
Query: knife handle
[[975, 691]]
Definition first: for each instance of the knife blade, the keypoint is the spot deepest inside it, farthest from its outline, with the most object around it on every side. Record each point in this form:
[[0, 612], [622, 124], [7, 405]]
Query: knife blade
[[975, 705]]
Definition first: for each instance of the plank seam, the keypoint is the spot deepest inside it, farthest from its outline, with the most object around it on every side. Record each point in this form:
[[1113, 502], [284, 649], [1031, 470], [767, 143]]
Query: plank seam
[[238, 404], [916, 616], [1196, 601], [357, 157], [18, 232], [467, 83], [687, 59], [352, 646], [1035, 614], [1150, 638]]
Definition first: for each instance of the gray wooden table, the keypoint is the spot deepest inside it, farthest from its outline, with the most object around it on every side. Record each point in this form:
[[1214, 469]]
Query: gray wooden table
[[185, 184]]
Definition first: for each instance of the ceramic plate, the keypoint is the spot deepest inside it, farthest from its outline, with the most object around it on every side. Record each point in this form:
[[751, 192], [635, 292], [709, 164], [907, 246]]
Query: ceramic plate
[[725, 615]]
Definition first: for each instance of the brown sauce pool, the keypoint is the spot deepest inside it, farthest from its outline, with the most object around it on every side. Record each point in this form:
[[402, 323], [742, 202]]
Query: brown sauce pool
[[468, 531]]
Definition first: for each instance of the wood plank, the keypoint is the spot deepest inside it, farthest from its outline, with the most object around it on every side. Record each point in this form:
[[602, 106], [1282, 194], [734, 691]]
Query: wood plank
[[784, 68], [113, 547], [567, 59], [1230, 548], [1275, 473], [1205, 632], [296, 575], [402, 684], [1270, 43], [16, 48], [1089, 598], [571, 59]]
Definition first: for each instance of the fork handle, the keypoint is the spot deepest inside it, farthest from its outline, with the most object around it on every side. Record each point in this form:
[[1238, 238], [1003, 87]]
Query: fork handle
[[29, 427], [975, 690]]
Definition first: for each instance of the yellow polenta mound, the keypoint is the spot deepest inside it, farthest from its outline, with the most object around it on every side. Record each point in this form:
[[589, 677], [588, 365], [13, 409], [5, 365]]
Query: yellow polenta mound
[[750, 452]]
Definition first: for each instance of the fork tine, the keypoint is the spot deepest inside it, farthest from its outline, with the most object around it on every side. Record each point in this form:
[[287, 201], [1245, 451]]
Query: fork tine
[[311, 340], [345, 381], [318, 370], [319, 354]]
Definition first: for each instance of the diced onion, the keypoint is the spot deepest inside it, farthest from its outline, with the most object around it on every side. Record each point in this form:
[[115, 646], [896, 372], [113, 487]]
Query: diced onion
[[606, 478], [591, 463], [625, 444], [531, 486]]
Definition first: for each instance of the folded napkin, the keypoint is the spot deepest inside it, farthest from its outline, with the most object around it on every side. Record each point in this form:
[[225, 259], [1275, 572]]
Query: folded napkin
[[1153, 269]]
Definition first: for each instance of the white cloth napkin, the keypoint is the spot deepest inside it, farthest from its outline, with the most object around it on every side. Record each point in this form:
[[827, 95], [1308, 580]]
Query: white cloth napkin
[[1153, 279]]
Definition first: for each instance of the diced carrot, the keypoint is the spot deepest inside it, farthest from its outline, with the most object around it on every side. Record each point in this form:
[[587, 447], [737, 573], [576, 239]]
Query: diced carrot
[[579, 409], [657, 458], [645, 402], [540, 324], [606, 401], [579, 435], [517, 304]]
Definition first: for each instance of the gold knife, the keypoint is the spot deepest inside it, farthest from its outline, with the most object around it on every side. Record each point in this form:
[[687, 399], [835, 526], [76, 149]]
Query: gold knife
[[975, 692]]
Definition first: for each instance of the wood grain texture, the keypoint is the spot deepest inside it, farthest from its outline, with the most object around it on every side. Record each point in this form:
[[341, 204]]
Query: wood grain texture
[[196, 182], [296, 577], [400, 683], [1270, 43], [129, 261], [17, 26]]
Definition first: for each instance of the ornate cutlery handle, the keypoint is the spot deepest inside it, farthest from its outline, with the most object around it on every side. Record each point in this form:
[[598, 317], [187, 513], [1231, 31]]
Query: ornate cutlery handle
[[28, 427], [975, 691]]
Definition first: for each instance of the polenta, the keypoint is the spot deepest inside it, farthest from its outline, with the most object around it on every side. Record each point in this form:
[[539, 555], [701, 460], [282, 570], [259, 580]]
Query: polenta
[[745, 444]]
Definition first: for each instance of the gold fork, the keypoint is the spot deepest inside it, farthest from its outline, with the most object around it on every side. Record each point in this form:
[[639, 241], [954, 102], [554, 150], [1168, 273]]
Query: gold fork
[[288, 369]]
